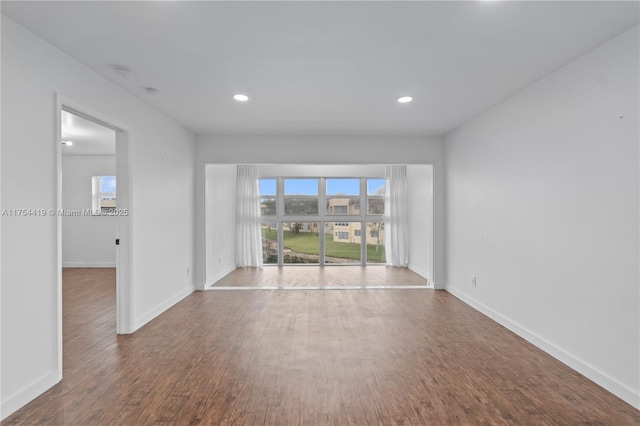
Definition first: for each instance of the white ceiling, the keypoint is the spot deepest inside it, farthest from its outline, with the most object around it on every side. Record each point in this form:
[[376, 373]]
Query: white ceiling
[[325, 67], [88, 138]]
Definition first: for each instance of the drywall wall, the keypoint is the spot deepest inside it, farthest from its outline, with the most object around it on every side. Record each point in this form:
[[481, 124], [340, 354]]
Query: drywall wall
[[321, 150], [420, 205], [220, 220], [322, 170], [542, 206], [161, 187], [87, 241]]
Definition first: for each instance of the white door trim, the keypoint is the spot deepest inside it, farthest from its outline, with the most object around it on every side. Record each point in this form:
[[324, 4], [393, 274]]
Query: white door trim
[[124, 287]]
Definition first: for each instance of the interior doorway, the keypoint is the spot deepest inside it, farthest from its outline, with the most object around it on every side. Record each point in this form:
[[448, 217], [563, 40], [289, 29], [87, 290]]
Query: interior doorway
[[89, 196], [93, 207]]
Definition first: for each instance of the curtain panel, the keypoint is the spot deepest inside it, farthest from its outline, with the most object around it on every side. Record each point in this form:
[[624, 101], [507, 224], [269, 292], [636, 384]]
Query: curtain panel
[[249, 235], [396, 217]]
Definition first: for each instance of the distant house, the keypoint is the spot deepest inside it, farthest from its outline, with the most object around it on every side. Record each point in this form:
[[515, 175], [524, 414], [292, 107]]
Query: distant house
[[351, 232], [345, 231]]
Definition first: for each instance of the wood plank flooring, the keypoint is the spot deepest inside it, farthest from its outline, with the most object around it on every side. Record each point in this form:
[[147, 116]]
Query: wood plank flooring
[[272, 357], [327, 276]]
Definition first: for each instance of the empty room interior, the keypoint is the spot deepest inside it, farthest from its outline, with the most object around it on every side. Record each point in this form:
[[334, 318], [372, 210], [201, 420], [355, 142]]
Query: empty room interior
[[320, 213]]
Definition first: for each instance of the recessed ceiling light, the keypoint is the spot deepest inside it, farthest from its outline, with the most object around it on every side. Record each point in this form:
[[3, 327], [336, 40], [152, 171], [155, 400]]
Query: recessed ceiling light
[[240, 97], [67, 143], [125, 72], [405, 99]]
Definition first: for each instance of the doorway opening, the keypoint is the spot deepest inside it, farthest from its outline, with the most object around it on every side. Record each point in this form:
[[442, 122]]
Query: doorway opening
[[93, 205]]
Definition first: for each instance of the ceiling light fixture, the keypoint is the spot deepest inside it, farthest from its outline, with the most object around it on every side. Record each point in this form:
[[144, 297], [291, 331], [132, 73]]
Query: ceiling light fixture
[[240, 97], [405, 99], [67, 143], [125, 72]]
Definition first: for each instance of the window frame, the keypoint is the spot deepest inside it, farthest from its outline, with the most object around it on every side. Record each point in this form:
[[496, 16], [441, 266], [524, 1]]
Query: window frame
[[322, 217], [374, 197], [349, 198], [264, 197], [96, 196], [286, 197]]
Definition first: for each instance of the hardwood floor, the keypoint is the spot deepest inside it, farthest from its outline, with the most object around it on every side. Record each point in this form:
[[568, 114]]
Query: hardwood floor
[[273, 357], [326, 276]]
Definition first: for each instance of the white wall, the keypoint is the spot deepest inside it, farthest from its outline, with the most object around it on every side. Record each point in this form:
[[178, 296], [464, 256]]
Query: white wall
[[161, 186], [322, 170], [322, 150], [542, 205], [220, 220], [420, 204], [87, 241]]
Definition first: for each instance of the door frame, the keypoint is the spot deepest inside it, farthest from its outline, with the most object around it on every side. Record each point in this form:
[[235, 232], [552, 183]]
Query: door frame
[[124, 289]]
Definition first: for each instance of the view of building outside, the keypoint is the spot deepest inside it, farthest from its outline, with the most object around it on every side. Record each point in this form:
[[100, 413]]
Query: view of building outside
[[342, 239]]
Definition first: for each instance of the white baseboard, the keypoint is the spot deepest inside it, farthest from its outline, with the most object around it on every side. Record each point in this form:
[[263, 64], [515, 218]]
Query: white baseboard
[[226, 270], [152, 313], [612, 385], [88, 264], [28, 394], [422, 273]]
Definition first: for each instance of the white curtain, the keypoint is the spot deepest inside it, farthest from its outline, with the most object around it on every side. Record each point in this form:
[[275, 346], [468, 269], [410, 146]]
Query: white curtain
[[396, 217], [249, 236]]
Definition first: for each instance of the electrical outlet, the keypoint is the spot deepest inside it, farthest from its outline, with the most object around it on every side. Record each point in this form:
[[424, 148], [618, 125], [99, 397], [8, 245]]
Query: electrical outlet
[[473, 280]]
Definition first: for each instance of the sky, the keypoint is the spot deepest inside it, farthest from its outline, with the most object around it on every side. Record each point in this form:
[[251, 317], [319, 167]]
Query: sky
[[107, 184], [310, 186]]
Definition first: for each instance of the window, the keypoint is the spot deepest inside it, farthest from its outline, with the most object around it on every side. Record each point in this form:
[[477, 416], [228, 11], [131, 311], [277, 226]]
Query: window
[[297, 229], [270, 243], [339, 209], [375, 242], [343, 195], [375, 195], [103, 194], [300, 244], [268, 191], [301, 196], [343, 246]]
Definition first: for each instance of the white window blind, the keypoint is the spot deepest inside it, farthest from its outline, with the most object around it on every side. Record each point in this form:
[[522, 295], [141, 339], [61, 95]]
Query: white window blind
[[103, 194]]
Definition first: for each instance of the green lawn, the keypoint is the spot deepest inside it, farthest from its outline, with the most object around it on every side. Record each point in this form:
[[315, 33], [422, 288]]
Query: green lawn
[[309, 242]]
